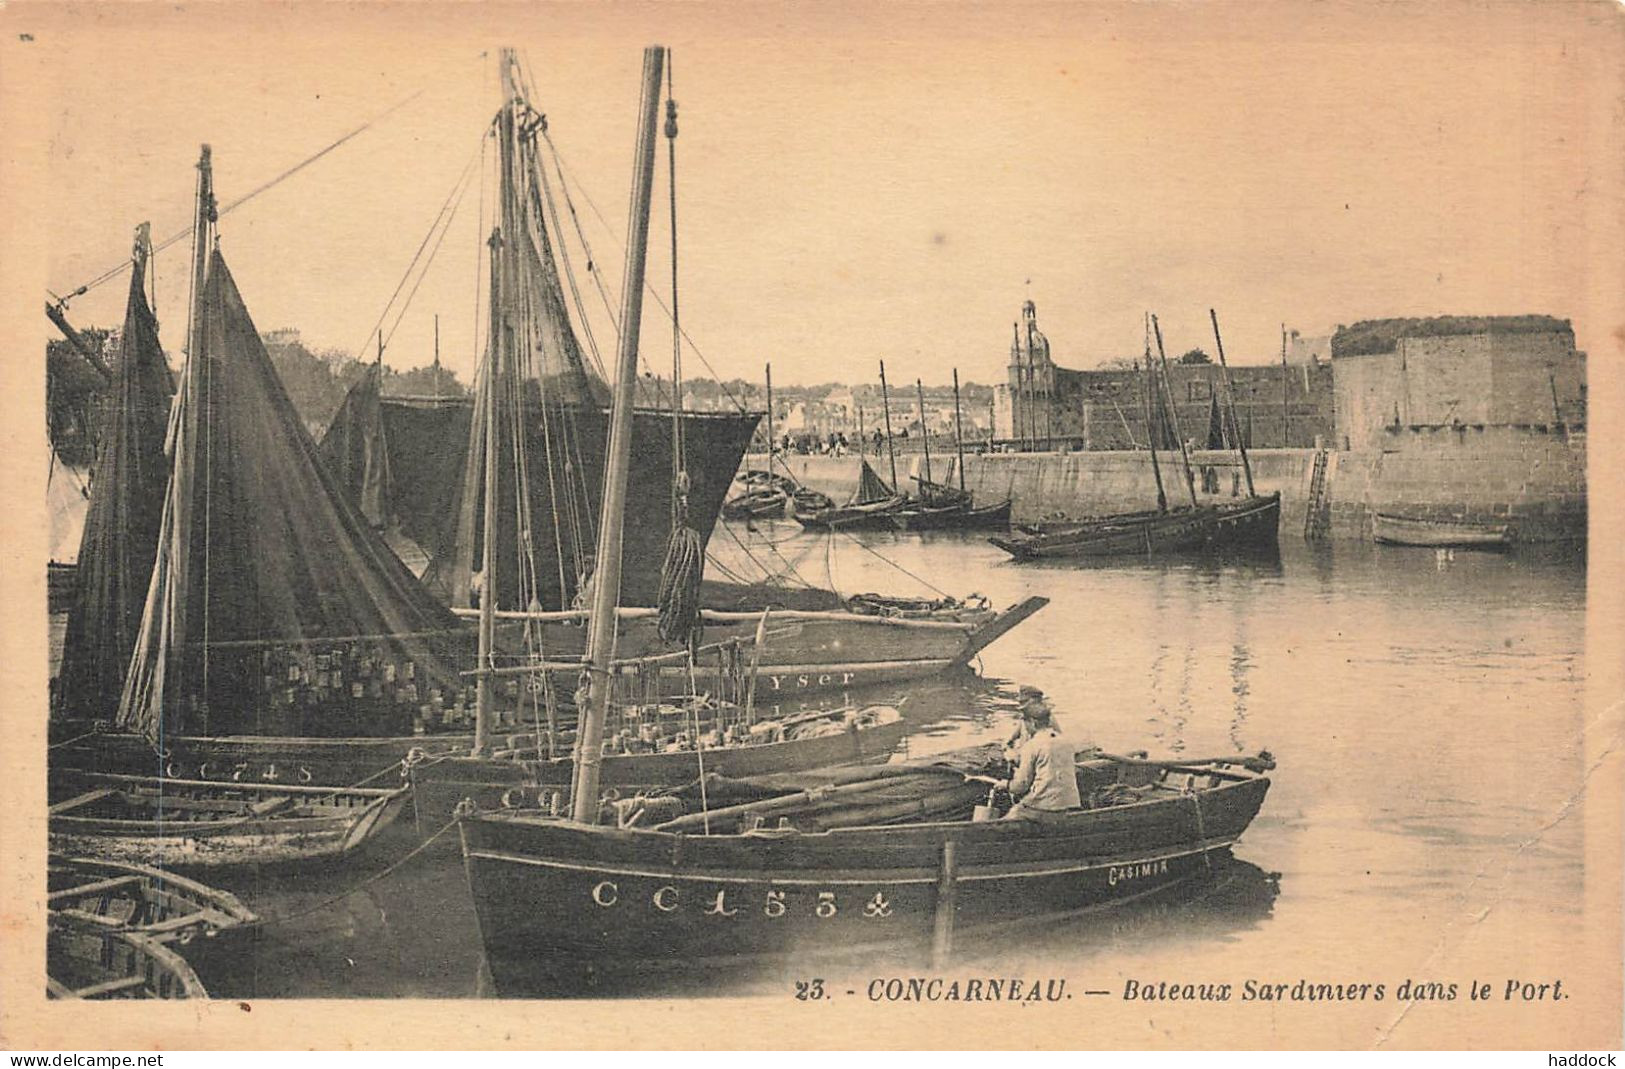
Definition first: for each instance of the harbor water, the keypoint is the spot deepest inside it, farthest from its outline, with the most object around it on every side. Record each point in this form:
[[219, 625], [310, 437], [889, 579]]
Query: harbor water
[[1425, 709]]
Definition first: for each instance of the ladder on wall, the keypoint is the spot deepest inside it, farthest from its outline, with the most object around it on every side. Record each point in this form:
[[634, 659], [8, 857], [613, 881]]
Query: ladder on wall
[[1317, 519]]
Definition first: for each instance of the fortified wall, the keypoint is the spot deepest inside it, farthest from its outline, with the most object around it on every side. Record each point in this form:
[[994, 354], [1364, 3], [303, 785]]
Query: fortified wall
[[1460, 418]]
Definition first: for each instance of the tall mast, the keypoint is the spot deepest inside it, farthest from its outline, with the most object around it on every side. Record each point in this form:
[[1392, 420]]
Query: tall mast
[[885, 405], [1230, 394], [1150, 431], [769, 417], [606, 581], [1173, 412], [1286, 440], [959, 436], [488, 546], [925, 433]]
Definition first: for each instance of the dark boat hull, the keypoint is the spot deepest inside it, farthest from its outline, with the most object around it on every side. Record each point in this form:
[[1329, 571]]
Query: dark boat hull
[[647, 899], [874, 516], [1253, 524], [954, 518], [438, 786]]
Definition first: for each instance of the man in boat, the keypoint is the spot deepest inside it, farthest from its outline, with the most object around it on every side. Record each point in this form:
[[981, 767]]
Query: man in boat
[[1045, 782]]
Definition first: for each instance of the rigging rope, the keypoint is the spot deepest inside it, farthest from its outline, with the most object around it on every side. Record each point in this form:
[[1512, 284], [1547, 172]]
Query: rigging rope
[[113, 272], [737, 403]]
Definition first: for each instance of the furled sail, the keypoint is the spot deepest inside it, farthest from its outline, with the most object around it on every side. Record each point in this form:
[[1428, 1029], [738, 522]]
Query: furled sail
[[121, 525], [273, 608]]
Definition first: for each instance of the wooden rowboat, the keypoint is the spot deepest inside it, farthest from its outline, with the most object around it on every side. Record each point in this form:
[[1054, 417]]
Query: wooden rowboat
[[1395, 530], [849, 865], [138, 898], [202, 924], [199, 823], [88, 963]]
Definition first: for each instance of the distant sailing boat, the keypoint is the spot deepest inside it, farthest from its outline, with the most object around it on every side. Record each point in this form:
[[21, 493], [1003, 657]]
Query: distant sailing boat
[[942, 507], [1249, 524]]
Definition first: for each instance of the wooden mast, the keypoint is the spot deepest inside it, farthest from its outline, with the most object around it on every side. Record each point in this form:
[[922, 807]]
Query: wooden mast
[[488, 516], [1173, 412], [1286, 438], [885, 405], [770, 445], [1150, 430], [925, 433], [606, 581], [959, 436], [1230, 395]]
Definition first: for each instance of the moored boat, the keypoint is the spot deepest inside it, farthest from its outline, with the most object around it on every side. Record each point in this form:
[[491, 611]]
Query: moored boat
[[87, 963], [870, 508], [810, 740], [148, 820], [839, 862], [1249, 524], [962, 516], [206, 926], [1398, 530]]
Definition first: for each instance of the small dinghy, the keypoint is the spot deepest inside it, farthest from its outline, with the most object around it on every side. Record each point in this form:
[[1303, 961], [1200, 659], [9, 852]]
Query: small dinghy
[[198, 823], [83, 962], [94, 901], [118, 896]]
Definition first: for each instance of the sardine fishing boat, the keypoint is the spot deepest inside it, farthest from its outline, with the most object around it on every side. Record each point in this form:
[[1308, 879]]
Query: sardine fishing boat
[[1250, 524], [869, 509], [522, 776], [173, 823], [1399, 530], [940, 507], [837, 863], [849, 859]]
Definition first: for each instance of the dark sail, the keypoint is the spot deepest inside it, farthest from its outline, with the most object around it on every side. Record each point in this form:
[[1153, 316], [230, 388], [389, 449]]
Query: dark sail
[[121, 525], [274, 608], [354, 449], [1217, 434], [871, 487], [429, 454]]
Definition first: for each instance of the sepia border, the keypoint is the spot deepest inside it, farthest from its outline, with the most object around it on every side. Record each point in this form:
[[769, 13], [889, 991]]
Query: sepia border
[[30, 71]]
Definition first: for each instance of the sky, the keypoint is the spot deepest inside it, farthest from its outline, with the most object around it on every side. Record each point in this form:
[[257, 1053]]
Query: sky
[[858, 184]]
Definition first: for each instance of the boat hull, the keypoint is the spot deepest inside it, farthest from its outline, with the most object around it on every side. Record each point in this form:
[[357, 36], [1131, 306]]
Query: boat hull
[[954, 518], [875, 516], [1395, 530], [1250, 525], [438, 786], [162, 829], [643, 900]]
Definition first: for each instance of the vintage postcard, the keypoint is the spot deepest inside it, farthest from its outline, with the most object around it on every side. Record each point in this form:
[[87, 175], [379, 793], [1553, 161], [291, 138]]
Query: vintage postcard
[[1079, 525]]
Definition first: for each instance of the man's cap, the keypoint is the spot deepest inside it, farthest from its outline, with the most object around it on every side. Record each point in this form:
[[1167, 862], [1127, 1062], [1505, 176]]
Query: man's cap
[[1028, 692]]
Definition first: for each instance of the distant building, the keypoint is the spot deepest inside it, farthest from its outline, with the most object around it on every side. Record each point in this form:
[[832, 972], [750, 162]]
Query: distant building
[[1455, 371], [1051, 407]]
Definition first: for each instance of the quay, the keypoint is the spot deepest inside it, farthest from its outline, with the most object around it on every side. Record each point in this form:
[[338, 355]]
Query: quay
[[1445, 419]]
